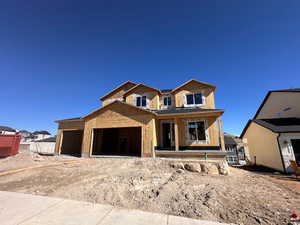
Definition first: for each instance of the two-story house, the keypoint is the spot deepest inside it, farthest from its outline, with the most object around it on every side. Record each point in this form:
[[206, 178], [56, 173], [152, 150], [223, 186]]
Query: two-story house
[[138, 120], [273, 135]]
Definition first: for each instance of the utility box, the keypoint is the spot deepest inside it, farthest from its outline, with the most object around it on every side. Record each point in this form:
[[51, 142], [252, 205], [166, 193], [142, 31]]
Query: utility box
[[9, 145]]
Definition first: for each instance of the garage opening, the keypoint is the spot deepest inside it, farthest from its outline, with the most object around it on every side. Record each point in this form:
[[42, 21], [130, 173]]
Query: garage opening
[[117, 141], [71, 142]]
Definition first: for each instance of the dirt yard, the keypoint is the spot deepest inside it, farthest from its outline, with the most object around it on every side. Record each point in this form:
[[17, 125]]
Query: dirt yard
[[242, 197]]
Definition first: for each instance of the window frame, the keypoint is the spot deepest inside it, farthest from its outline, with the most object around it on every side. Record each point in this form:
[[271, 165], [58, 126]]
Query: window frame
[[194, 99], [141, 101], [188, 140], [163, 102]]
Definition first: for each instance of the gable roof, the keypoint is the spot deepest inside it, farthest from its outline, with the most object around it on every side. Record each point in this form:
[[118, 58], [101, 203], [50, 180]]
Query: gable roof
[[267, 96], [117, 102], [141, 85], [193, 80], [276, 125], [5, 128], [116, 89], [69, 119]]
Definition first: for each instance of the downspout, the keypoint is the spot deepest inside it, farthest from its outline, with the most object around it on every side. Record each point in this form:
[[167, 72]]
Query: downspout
[[280, 151]]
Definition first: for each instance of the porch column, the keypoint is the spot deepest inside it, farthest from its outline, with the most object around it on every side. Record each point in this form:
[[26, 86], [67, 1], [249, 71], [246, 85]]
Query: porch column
[[176, 134]]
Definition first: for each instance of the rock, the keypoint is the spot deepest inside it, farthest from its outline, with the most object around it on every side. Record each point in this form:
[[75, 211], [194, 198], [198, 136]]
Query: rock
[[210, 168], [177, 165], [223, 168], [180, 171], [193, 167]]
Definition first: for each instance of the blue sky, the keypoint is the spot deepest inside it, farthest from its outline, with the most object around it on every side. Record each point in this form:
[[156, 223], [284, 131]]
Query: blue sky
[[58, 57]]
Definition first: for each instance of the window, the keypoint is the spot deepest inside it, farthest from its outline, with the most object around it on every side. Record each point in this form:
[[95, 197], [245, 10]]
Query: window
[[141, 101], [194, 99], [167, 101], [196, 131]]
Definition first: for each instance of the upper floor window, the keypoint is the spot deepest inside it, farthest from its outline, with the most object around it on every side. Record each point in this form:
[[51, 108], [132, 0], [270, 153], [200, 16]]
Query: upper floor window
[[194, 99], [167, 101], [141, 101]]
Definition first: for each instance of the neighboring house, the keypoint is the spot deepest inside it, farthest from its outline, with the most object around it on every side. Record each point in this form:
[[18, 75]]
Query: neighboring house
[[138, 120], [39, 135], [7, 130], [235, 150], [24, 135], [273, 135]]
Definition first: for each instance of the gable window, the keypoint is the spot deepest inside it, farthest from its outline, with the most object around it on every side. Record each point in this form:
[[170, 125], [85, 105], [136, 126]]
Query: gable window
[[167, 101], [196, 131], [141, 101], [194, 99]]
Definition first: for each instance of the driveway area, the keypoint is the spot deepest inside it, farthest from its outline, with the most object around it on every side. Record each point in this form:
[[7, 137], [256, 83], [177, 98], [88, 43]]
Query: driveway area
[[153, 185]]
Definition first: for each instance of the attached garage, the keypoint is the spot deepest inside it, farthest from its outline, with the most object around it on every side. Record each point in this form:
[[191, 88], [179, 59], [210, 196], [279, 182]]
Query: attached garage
[[71, 142], [126, 141]]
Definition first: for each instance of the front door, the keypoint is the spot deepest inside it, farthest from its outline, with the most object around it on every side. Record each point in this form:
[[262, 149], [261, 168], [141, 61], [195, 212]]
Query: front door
[[296, 148], [168, 134]]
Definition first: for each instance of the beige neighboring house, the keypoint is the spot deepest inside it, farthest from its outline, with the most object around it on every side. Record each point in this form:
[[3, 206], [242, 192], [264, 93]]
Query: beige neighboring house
[[273, 135], [139, 120]]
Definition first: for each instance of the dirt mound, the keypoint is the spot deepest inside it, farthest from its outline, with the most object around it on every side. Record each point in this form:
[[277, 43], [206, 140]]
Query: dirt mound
[[155, 185]]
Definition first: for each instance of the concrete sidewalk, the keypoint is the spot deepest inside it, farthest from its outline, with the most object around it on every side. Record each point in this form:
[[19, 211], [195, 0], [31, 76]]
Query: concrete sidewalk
[[26, 209]]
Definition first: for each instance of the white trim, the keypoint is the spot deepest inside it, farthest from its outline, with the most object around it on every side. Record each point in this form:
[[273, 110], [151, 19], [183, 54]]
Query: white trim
[[193, 93], [197, 141]]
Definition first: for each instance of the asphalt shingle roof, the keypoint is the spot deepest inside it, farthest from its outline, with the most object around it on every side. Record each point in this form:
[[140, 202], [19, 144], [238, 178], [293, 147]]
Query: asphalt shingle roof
[[280, 125], [5, 128]]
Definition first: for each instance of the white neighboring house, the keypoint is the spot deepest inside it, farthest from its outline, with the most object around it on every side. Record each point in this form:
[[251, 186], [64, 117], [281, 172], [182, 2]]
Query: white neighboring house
[[39, 135], [7, 130]]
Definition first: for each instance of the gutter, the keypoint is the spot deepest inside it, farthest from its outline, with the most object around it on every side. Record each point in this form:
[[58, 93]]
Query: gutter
[[280, 151]]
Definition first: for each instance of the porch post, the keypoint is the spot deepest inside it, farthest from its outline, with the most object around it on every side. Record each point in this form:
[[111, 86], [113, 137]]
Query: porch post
[[176, 134]]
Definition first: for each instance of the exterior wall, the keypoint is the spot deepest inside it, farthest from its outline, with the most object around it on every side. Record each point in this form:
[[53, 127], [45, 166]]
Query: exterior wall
[[152, 97], [117, 94], [117, 116], [278, 101], [193, 87], [263, 144], [213, 133], [287, 149]]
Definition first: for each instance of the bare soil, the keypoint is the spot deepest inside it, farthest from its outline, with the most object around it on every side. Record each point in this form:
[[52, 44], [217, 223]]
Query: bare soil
[[243, 197]]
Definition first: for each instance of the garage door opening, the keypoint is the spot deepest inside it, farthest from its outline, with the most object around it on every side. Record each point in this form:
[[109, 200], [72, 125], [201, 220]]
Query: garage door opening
[[117, 141], [71, 142]]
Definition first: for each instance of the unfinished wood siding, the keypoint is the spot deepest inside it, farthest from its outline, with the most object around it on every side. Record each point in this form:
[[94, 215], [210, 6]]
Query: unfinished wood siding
[[79, 125], [152, 97], [213, 132], [117, 94], [194, 87], [263, 147], [119, 115]]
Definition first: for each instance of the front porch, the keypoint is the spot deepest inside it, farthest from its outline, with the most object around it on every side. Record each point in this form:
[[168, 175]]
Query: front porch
[[196, 135]]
